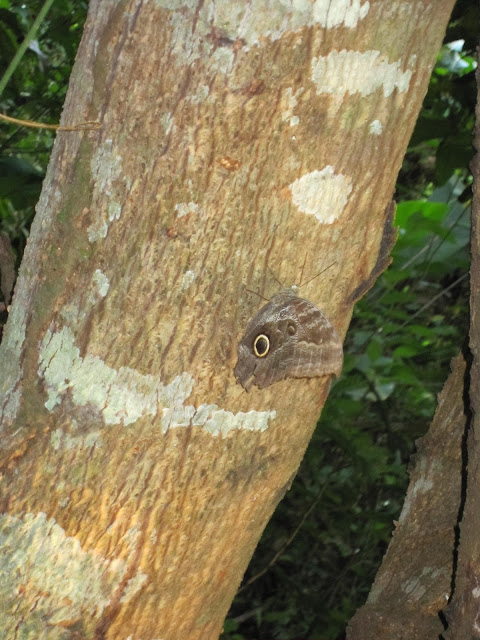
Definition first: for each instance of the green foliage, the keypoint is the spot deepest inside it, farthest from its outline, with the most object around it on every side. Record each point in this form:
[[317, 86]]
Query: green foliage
[[36, 91], [350, 487]]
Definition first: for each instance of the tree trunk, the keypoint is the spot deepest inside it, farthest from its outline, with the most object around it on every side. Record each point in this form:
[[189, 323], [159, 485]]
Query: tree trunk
[[238, 141], [463, 612], [414, 582]]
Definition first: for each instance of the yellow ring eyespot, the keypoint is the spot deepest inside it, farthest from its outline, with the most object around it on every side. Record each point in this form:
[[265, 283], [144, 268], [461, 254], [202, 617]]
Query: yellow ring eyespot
[[261, 346]]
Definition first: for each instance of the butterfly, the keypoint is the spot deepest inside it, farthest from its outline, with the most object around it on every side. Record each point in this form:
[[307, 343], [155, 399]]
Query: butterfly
[[288, 338]]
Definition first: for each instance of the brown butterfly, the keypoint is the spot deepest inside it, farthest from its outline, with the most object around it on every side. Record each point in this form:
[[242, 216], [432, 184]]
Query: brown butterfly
[[288, 338]]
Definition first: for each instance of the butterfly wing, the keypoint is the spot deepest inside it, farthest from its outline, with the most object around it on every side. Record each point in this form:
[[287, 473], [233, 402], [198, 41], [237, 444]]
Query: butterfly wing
[[302, 343], [318, 349]]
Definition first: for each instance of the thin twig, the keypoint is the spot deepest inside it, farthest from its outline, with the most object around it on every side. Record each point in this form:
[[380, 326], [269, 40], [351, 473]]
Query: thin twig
[[286, 544], [434, 299], [89, 125]]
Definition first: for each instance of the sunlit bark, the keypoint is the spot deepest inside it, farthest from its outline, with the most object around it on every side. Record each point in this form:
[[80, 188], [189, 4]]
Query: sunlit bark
[[238, 140]]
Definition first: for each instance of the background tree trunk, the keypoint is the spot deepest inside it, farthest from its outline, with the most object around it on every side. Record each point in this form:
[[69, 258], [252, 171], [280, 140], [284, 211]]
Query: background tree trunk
[[431, 572], [137, 476], [463, 611], [416, 572]]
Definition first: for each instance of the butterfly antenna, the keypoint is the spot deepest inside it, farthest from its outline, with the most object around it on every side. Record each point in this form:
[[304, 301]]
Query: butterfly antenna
[[319, 274], [257, 294], [275, 278], [303, 268]]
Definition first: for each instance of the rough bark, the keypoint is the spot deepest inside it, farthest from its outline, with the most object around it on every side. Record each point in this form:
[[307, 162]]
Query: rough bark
[[236, 137], [414, 582], [463, 612]]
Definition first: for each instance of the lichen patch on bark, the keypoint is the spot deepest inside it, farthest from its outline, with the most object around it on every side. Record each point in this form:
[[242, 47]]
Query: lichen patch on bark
[[124, 396], [64, 580], [342, 72], [323, 194]]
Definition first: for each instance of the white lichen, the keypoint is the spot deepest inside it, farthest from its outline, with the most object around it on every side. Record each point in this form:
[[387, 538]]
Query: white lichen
[[200, 95], [97, 231], [61, 440], [416, 586], [10, 357], [290, 100], [64, 581], [106, 169], [221, 422], [123, 396], [342, 72], [133, 586], [216, 421], [100, 286], [187, 279], [375, 127], [184, 208], [422, 485], [339, 12], [114, 210], [323, 194], [167, 122], [249, 24]]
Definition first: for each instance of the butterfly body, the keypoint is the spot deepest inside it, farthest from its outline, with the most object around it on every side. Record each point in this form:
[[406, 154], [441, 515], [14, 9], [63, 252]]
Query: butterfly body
[[288, 338]]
